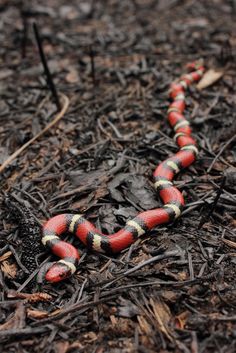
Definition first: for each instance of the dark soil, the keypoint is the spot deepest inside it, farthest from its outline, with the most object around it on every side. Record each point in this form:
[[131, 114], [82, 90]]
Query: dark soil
[[115, 60]]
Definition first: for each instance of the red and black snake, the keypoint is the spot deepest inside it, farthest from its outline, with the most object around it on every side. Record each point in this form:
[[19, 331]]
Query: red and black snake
[[172, 198]]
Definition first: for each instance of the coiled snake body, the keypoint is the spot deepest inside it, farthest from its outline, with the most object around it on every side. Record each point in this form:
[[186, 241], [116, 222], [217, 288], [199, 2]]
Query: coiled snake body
[[144, 221]]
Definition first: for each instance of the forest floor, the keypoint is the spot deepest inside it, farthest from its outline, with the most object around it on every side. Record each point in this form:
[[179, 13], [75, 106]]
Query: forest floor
[[114, 60]]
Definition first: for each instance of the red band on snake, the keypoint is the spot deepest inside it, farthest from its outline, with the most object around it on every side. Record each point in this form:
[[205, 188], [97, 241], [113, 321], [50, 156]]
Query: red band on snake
[[172, 198]]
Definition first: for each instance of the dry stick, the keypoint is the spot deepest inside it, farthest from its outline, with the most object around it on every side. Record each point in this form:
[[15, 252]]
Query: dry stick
[[113, 293], [22, 332], [73, 308], [45, 66], [30, 142], [144, 263], [205, 218], [92, 54], [220, 152], [32, 275], [25, 33]]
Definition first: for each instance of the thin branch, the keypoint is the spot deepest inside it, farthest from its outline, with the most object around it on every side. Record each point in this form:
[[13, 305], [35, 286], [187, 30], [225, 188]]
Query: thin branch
[[205, 218], [46, 68], [220, 152]]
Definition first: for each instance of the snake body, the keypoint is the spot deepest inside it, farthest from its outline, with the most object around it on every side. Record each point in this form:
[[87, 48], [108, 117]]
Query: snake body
[[163, 175]]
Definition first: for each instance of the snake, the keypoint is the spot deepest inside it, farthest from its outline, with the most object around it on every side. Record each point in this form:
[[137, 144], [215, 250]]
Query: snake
[[172, 198]]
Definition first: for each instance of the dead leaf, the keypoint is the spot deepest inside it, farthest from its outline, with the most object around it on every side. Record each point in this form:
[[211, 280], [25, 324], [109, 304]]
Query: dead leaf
[[182, 276], [169, 296], [181, 319], [122, 326], [210, 77], [62, 346], [76, 345], [90, 337], [65, 346]]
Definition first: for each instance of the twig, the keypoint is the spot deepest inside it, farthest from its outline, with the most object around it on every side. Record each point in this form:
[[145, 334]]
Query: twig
[[144, 263], [162, 283], [220, 152], [32, 275], [31, 141], [22, 332], [209, 213], [91, 54], [46, 68], [17, 259], [117, 132], [74, 308], [25, 33]]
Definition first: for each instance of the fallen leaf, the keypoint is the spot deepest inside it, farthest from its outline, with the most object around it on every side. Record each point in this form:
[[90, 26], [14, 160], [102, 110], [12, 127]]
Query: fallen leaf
[[90, 337], [75, 345], [121, 326], [210, 77], [62, 346], [169, 295], [181, 319]]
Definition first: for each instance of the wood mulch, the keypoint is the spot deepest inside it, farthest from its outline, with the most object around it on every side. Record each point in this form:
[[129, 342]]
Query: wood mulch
[[174, 289]]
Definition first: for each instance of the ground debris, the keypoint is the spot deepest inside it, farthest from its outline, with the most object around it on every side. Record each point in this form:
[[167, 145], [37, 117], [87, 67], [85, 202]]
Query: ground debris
[[174, 289]]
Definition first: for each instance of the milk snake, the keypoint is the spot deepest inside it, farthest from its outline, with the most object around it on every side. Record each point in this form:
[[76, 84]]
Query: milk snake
[[172, 198]]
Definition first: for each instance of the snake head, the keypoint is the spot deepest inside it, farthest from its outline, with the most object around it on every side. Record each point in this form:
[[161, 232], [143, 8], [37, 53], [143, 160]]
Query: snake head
[[58, 272]]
